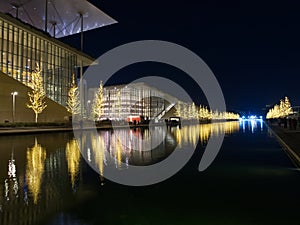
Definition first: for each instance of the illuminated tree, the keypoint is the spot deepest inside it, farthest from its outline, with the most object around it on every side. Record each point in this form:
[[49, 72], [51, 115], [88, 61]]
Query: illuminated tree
[[207, 113], [282, 110], [215, 115], [73, 102], [37, 94], [201, 112], [185, 112], [178, 109], [190, 114], [288, 106], [97, 108], [193, 111]]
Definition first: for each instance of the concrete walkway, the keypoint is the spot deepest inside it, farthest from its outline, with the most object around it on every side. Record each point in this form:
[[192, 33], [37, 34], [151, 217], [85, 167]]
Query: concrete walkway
[[28, 130], [290, 139]]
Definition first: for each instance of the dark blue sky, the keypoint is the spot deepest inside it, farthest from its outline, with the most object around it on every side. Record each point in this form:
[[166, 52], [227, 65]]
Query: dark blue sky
[[252, 47]]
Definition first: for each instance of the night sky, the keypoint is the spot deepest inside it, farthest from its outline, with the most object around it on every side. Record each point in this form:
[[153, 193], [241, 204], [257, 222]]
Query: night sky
[[252, 47]]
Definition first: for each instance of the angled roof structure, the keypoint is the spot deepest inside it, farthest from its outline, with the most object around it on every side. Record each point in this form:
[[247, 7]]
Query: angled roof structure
[[64, 17]]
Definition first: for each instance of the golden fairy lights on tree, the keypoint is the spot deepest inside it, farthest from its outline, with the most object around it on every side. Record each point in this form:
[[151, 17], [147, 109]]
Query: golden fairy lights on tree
[[73, 102], [204, 113], [178, 109], [193, 114], [282, 110], [37, 94], [185, 112], [97, 108], [189, 111], [36, 157], [288, 106]]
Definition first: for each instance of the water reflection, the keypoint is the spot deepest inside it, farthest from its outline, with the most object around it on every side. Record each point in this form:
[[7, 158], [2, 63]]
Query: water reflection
[[36, 157], [189, 134], [11, 183], [98, 148], [73, 159], [121, 147], [253, 125], [40, 171]]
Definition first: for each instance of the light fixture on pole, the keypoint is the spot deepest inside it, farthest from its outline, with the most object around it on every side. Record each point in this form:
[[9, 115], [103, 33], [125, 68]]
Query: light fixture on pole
[[13, 94]]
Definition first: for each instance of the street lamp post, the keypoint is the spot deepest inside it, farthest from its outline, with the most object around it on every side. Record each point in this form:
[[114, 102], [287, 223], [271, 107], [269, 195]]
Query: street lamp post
[[13, 94]]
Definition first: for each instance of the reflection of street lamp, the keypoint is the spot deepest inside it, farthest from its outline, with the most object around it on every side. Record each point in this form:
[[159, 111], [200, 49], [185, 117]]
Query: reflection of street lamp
[[13, 94], [88, 108]]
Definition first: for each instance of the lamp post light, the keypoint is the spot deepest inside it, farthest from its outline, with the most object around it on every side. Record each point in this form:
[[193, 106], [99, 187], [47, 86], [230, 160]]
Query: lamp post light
[[13, 94]]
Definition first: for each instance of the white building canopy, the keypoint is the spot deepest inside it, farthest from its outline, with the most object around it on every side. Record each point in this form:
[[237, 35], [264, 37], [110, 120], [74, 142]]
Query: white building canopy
[[63, 16]]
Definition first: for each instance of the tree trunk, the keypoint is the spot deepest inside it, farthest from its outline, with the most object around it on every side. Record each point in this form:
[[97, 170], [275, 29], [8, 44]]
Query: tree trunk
[[36, 117]]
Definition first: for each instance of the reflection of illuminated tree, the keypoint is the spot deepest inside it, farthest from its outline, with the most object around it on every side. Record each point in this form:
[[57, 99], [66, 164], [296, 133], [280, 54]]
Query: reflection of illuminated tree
[[118, 148], [36, 157], [73, 159], [98, 148], [204, 132], [189, 134], [178, 137]]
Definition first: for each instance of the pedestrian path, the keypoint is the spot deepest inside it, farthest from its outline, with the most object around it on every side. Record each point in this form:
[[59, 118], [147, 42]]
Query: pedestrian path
[[20, 130], [290, 139]]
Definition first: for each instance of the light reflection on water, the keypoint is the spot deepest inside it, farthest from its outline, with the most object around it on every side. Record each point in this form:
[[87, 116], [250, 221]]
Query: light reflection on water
[[252, 125], [43, 174]]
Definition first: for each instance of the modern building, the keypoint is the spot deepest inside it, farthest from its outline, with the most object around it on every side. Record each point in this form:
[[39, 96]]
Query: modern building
[[22, 47], [133, 102], [23, 43]]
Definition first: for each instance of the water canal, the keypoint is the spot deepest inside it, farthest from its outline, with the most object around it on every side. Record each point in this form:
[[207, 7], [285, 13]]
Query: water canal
[[45, 180]]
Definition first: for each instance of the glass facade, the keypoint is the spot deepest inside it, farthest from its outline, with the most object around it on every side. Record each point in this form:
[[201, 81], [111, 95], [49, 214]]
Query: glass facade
[[22, 47], [130, 102]]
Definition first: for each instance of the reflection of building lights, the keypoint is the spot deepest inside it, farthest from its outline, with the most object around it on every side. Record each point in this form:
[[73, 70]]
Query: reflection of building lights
[[6, 189], [89, 155], [12, 177], [11, 168], [253, 125]]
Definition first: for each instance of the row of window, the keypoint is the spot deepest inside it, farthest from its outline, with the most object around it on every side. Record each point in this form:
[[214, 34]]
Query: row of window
[[21, 50], [130, 101]]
